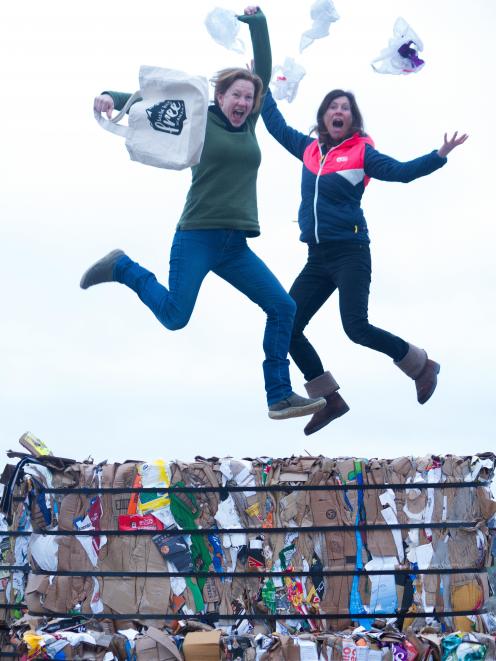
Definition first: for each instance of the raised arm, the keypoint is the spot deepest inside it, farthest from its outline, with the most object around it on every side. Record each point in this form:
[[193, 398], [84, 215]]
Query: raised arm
[[262, 56], [385, 168], [291, 139]]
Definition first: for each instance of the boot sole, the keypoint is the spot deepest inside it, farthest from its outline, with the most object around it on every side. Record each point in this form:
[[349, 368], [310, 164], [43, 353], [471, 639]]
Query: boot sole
[[425, 399], [307, 431], [297, 411]]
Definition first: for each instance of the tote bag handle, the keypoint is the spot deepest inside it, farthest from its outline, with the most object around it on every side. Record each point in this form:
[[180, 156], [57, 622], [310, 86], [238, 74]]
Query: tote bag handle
[[112, 125]]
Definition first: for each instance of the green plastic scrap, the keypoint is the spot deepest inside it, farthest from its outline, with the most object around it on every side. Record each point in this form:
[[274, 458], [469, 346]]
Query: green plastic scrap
[[269, 595], [184, 516]]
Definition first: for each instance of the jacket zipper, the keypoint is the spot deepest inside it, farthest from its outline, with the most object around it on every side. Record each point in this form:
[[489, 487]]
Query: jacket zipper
[[323, 159]]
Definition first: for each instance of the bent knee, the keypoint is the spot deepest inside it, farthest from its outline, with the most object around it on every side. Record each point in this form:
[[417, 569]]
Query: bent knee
[[174, 322], [289, 306], [176, 325], [282, 307], [173, 316], [357, 331]]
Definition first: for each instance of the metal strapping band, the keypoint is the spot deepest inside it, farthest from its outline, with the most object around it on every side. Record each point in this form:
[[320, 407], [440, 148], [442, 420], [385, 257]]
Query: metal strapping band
[[221, 531], [215, 617], [271, 487], [263, 574]]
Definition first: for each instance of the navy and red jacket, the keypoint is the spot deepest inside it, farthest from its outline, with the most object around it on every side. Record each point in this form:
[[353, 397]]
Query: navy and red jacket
[[333, 182]]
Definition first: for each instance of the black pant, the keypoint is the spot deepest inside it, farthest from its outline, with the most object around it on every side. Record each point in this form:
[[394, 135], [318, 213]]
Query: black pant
[[346, 266]]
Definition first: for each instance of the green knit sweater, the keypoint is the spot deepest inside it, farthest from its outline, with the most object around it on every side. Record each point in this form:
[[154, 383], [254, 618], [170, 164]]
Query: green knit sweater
[[223, 192]]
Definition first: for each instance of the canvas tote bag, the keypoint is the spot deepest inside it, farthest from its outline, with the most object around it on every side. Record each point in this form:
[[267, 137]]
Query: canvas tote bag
[[167, 119]]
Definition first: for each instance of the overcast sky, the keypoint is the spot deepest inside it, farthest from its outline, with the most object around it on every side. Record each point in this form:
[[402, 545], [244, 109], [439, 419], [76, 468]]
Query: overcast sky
[[94, 373]]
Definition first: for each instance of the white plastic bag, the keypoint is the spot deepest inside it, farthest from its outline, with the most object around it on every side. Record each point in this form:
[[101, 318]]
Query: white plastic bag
[[45, 551], [223, 27], [286, 79], [401, 54], [323, 13], [166, 128]]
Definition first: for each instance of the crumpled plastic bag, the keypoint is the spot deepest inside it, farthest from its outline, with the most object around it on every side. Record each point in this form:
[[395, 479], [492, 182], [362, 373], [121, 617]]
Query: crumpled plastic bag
[[323, 13], [286, 79], [227, 517], [45, 551], [223, 27], [401, 54]]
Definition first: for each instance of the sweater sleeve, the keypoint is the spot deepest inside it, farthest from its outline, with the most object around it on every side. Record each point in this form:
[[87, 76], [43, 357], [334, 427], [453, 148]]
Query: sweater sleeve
[[262, 55], [385, 168], [291, 139], [120, 98]]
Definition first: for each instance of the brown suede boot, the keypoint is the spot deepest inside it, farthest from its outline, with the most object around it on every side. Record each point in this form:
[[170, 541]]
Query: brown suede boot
[[422, 370], [325, 386]]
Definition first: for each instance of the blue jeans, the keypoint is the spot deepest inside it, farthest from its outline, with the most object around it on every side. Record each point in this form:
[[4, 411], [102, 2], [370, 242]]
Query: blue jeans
[[346, 266], [225, 252]]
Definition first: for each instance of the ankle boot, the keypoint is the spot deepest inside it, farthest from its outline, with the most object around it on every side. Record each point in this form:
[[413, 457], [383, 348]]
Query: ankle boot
[[422, 370], [325, 386]]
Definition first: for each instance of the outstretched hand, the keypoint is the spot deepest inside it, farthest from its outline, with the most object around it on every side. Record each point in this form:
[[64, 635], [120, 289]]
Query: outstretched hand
[[249, 11], [450, 144]]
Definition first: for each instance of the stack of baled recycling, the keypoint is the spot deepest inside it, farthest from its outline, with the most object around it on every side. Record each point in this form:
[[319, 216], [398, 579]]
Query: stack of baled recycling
[[264, 558]]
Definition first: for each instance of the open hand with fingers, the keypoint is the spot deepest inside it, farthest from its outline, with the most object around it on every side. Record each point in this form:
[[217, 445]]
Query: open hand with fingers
[[252, 9], [450, 144]]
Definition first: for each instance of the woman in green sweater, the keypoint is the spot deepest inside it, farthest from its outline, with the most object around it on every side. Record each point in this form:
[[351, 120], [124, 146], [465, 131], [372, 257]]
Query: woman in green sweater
[[219, 215]]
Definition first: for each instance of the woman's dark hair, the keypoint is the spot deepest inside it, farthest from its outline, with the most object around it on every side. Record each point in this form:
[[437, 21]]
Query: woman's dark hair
[[357, 121], [223, 80]]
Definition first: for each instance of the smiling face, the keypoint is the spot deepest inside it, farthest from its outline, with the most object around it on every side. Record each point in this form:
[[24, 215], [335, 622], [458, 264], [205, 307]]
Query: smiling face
[[338, 118], [237, 101]]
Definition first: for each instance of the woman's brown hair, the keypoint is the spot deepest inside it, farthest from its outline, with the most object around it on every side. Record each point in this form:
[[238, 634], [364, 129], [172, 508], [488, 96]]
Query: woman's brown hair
[[223, 80], [357, 120]]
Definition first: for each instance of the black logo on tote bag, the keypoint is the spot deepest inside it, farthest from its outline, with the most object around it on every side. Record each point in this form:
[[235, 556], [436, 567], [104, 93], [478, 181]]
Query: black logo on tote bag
[[167, 116]]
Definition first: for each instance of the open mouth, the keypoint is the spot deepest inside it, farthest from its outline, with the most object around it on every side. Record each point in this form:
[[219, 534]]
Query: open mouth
[[238, 114], [337, 123]]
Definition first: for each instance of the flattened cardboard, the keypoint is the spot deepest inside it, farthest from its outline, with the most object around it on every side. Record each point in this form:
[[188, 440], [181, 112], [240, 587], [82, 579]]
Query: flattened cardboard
[[156, 645], [202, 646]]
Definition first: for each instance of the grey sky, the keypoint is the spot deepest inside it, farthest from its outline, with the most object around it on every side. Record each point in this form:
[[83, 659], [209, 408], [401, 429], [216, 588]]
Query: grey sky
[[94, 373]]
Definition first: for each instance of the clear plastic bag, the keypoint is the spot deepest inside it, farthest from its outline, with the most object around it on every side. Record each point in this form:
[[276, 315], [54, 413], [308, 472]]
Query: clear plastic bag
[[223, 27], [323, 13], [401, 54], [286, 79]]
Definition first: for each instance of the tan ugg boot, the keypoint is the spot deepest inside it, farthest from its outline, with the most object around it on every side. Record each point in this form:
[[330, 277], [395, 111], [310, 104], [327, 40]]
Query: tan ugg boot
[[422, 370], [326, 386]]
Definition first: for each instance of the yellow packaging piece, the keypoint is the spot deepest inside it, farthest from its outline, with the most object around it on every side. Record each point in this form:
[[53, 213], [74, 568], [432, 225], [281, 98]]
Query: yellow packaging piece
[[312, 597], [466, 597], [253, 510], [34, 642], [153, 474], [36, 447]]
